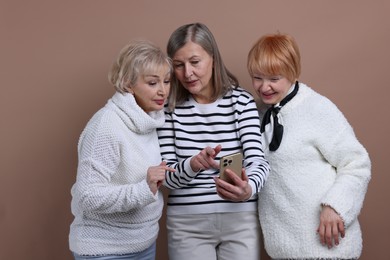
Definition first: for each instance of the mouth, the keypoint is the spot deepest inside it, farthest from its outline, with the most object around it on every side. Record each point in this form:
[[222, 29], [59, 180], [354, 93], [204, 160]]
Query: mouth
[[267, 95], [160, 102], [191, 82]]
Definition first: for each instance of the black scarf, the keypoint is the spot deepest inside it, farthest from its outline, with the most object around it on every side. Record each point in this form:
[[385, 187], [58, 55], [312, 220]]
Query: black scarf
[[278, 128]]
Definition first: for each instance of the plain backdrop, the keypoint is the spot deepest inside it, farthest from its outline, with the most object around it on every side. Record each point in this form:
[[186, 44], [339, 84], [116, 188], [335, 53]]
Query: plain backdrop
[[54, 60]]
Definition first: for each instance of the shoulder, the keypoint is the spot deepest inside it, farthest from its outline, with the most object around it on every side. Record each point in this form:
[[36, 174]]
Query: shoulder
[[323, 112], [239, 96], [317, 102], [239, 101], [241, 93], [104, 123]]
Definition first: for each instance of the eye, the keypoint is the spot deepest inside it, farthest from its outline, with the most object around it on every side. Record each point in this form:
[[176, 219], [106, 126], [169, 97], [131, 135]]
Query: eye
[[194, 62], [275, 79], [152, 83], [167, 81], [257, 78], [178, 65]]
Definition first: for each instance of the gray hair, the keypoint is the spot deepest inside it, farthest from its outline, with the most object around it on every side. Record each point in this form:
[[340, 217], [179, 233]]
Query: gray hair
[[221, 77]]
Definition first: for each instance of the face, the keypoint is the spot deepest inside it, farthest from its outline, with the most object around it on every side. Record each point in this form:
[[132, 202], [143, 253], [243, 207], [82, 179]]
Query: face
[[193, 67], [270, 89], [151, 90]]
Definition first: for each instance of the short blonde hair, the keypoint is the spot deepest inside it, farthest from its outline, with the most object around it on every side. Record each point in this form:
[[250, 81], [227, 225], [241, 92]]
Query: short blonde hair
[[275, 54], [136, 59]]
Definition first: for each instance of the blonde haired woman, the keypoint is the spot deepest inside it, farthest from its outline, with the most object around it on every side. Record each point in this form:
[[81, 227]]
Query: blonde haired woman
[[116, 202]]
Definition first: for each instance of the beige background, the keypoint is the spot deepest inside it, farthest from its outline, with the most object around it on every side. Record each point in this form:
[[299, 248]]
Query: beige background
[[54, 59]]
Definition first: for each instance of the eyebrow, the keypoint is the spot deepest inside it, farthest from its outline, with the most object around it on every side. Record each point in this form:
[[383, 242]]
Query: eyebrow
[[192, 57], [156, 76], [151, 75]]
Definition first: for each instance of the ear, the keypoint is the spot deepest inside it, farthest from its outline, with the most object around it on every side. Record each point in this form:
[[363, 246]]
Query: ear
[[129, 90]]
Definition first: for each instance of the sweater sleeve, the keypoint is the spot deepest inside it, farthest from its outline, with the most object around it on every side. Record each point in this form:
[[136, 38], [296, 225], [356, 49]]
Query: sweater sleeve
[[99, 160], [343, 151], [256, 166]]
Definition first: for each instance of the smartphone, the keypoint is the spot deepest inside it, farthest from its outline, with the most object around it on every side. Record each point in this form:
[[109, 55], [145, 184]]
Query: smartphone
[[232, 161]]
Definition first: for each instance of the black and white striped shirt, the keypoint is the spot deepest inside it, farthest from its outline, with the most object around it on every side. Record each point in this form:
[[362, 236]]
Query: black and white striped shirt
[[231, 121]]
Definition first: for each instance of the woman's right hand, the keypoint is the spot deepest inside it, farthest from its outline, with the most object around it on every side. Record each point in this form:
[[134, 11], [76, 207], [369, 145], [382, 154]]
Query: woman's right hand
[[156, 175], [205, 159]]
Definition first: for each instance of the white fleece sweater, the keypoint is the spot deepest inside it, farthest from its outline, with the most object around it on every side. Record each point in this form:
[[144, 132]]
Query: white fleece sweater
[[319, 161], [115, 211]]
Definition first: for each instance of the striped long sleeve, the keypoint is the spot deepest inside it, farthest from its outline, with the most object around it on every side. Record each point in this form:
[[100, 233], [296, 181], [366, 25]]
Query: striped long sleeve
[[233, 122]]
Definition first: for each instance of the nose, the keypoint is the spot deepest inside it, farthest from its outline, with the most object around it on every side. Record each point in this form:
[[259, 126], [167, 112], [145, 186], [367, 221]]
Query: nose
[[162, 89], [188, 71], [265, 83]]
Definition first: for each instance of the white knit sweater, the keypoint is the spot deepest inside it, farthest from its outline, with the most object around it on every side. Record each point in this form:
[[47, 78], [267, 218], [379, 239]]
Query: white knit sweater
[[115, 211], [319, 161]]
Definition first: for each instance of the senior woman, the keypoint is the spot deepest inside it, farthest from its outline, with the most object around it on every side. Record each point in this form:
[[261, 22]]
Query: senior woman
[[116, 199]]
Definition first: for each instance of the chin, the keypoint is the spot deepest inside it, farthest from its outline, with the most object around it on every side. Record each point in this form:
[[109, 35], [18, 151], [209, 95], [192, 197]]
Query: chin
[[267, 101]]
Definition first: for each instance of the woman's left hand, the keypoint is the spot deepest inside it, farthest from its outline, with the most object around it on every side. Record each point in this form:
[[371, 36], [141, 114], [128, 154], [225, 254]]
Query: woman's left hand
[[238, 190], [331, 227]]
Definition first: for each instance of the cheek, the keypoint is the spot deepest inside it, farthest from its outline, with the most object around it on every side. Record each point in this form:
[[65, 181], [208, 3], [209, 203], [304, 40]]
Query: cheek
[[178, 74], [205, 70], [256, 85], [168, 89]]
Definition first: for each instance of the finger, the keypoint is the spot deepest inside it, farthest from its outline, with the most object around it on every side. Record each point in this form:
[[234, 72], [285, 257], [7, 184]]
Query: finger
[[157, 176], [321, 233], [223, 185], [217, 149], [163, 163], [206, 159], [225, 193], [341, 229], [204, 155], [237, 181], [169, 169], [328, 236], [335, 232], [233, 176], [200, 162], [231, 191], [161, 175], [211, 163], [209, 151]]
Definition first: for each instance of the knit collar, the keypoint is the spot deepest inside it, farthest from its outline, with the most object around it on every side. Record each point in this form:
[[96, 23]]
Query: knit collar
[[135, 118]]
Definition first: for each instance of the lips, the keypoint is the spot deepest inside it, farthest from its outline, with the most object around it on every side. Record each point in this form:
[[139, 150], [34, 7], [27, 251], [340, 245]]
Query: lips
[[191, 83], [267, 95], [160, 102]]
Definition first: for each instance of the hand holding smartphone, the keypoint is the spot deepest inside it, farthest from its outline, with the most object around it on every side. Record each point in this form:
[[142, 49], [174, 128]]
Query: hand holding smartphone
[[232, 162]]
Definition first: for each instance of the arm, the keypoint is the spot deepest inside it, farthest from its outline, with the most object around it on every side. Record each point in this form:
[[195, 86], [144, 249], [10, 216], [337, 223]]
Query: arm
[[353, 168], [344, 200], [99, 160], [186, 169], [256, 168]]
